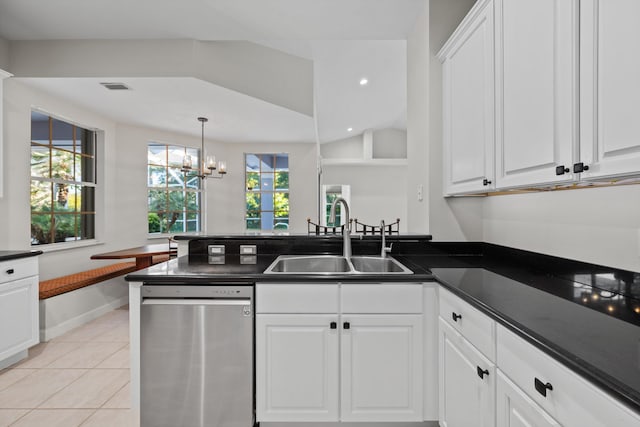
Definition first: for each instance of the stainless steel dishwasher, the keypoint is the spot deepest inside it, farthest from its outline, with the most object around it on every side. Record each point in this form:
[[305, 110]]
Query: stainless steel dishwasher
[[196, 348]]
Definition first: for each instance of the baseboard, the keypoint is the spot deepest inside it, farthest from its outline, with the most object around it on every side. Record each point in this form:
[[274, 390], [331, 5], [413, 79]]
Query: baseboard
[[55, 331], [14, 359]]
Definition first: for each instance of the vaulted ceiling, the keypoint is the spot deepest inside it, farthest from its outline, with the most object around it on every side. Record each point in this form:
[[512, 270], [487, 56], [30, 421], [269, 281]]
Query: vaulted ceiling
[[345, 39]]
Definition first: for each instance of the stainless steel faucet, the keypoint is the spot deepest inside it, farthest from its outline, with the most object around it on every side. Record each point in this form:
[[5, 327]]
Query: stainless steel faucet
[[346, 234], [384, 250]]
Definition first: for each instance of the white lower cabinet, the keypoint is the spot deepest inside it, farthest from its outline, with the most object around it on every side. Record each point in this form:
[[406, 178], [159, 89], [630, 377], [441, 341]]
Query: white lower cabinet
[[325, 365], [516, 409], [558, 391], [467, 382], [381, 361], [297, 367], [18, 308]]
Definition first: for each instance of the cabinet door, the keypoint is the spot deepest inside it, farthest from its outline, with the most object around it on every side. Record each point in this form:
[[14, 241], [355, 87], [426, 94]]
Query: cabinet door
[[18, 316], [516, 409], [610, 89], [467, 382], [296, 367], [468, 104], [381, 368], [536, 90]]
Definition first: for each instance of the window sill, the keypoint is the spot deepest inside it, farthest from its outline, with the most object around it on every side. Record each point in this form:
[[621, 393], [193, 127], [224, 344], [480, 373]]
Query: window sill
[[55, 247]]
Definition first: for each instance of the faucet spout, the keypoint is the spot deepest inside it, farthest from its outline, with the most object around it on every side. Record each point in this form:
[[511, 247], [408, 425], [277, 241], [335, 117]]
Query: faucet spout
[[346, 234], [384, 250]]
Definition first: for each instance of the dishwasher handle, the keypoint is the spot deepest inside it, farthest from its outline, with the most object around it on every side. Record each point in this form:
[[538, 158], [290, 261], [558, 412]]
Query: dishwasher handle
[[193, 301]]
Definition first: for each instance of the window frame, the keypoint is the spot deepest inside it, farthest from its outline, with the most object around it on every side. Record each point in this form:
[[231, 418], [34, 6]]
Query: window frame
[[166, 188], [272, 191], [79, 214]]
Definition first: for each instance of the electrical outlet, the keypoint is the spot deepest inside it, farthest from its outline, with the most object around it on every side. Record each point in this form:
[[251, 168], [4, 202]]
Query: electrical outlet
[[420, 190]]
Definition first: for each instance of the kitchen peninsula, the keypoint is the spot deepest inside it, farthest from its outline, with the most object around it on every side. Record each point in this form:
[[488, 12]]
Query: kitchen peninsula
[[504, 304]]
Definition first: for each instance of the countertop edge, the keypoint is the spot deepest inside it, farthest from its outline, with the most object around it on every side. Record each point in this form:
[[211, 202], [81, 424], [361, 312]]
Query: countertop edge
[[19, 254]]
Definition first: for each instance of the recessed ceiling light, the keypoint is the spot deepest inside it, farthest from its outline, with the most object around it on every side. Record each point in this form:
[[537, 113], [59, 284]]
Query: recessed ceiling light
[[364, 81], [349, 129]]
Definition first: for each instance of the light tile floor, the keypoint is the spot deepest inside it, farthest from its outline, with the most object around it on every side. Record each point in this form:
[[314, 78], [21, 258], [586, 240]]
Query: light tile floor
[[78, 379]]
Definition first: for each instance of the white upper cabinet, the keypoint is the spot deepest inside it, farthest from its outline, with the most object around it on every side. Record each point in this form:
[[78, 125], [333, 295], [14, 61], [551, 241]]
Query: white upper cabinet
[[536, 90], [468, 96], [610, 87]]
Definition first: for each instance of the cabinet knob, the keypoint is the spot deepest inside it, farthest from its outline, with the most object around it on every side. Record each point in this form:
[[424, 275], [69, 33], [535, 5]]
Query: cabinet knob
[[10, 271], [333, 325], [561, 170], [346, 325], [482, 372], [486, 182], [542, 387], [455, 316], [580, 167]]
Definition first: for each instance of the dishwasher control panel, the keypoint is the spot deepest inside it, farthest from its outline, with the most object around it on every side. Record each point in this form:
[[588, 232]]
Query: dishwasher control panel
[[203, 291]]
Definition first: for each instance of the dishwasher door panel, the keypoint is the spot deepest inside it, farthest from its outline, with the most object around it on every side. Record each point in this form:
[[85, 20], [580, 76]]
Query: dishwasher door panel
[[196, 363]]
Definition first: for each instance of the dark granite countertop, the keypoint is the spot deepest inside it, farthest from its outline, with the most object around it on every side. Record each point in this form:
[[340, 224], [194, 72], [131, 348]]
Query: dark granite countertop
[[586, 316], [9, 255]]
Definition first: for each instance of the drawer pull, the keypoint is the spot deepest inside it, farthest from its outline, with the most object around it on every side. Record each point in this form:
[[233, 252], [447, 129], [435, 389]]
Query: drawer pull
[[482, 372], [10, 271], [346, 325], [333, 325], [542, 387], [455, 316]]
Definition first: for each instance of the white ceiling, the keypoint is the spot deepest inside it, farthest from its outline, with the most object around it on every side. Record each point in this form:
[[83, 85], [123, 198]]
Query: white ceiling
[[347, 39]]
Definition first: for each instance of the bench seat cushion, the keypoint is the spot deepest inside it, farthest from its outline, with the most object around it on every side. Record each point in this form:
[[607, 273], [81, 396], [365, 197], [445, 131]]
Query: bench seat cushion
[[60, 285]]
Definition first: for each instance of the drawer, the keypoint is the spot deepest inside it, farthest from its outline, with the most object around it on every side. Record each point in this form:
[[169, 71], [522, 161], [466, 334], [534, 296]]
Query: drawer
[[16, 269], [382, 298], [570, 399], [296, 298], [475, 326]]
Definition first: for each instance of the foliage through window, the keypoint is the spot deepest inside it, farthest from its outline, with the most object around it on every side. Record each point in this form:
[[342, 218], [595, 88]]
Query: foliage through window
[[174, 198], [267, 191], [63, 181]]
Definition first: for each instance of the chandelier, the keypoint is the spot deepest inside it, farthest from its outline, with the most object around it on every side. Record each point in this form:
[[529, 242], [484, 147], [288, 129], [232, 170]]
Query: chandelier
[[208, 164]]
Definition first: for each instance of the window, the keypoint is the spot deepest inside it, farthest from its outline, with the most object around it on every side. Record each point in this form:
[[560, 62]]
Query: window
[[174, 198], [267, 191], [63, 181], [329, 194]]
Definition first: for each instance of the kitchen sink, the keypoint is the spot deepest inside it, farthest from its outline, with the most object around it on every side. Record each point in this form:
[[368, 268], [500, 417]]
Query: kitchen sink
[[335, 264], [321, 264], [370, 264]]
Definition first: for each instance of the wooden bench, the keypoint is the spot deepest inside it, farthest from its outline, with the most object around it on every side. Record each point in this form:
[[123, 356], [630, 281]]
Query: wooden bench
[[71, 282]]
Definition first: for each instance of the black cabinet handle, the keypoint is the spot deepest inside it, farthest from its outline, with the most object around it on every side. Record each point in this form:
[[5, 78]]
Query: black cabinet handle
[[10, 271], [346, 325], [482, 372], [486, 182], [455, 316], [333, 325], [580, 167], [561, 170], [542, 387]]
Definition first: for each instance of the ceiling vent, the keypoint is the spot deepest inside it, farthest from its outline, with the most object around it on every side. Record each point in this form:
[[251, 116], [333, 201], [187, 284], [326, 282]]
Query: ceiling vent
[[115, 86]]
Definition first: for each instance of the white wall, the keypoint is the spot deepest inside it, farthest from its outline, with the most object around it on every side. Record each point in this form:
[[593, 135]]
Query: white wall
[[348, 148], [418, 174], [598, 225], [4, 54], [376, 193], [390, 144], [453, 218]]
